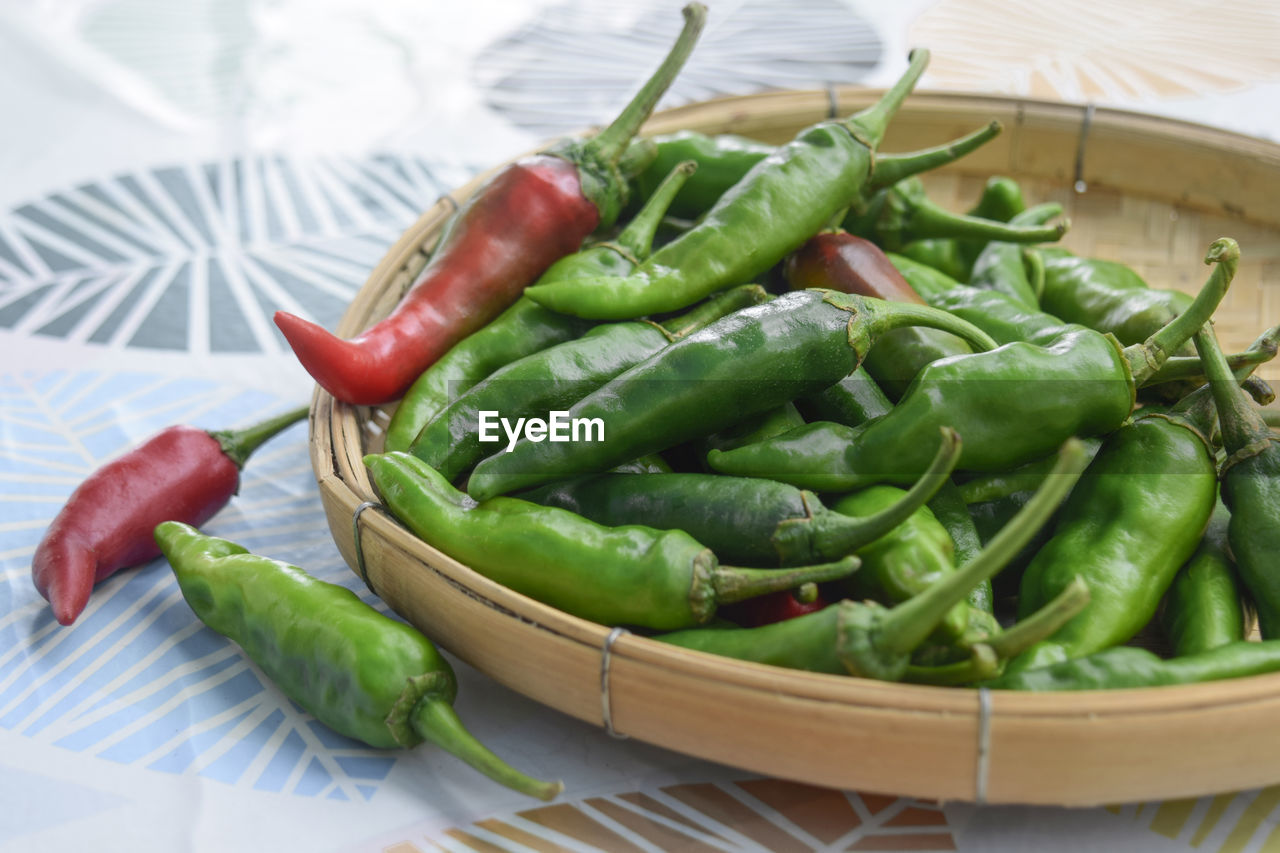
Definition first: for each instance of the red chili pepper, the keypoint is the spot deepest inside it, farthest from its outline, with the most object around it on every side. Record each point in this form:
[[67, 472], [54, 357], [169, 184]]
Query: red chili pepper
[[775, 606], [842, 261], [525, 218], [180, 474]]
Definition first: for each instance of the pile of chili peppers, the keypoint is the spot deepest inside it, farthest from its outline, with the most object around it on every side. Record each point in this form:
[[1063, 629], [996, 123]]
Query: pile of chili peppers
[[935, 447]]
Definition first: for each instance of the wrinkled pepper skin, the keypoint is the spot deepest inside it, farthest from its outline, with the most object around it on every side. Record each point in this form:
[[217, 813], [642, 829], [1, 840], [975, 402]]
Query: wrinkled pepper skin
[[523, 219], [1135, 517], [748, 362], [1204, 608], [1129, 667], [180, 474], [361, 673], [661, 579]]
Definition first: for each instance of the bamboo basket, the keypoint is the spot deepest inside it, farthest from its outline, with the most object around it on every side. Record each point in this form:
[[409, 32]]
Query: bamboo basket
[[1151, 192]]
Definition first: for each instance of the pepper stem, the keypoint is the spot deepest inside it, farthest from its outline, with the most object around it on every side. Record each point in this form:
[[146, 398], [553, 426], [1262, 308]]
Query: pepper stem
[[891, 168], [869, 125], [907, 625], [1241, 424], [1261, 351], [982, 664], [637, 237], [1043, 623], [1146, 358], [851, 533], [873, 317], [732, 583], [925, 219], [435, 720], [239, 444], [610, 143]]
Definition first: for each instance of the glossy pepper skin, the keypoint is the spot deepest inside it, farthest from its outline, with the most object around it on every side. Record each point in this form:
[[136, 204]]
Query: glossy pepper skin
[[749, 521], [611, 575], [771, 211], [555, 378], [1250, 479], [721, 159], [1012, 404], [359, 672], [182, 473], [1135, 517], [527, 216], [1204, 606], [749, 362], [1129, 666]]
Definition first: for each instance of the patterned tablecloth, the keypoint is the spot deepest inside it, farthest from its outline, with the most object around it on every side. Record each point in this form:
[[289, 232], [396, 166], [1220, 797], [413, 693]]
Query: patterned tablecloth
[[173, 173]]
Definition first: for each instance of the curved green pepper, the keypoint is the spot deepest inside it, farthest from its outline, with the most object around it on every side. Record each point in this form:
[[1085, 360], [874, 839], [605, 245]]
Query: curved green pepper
[[1203, 608], [662, 579], [1129, 666], [359, 672], [1001, 200]]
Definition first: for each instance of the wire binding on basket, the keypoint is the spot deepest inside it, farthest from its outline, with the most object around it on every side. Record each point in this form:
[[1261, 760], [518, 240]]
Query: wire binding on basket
[[833, 102], [1079, 184], [983, 762], [359, 545], [606, 658]]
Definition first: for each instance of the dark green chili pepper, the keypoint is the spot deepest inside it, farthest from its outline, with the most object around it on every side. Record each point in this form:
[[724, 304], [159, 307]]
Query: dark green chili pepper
[[1203, 608], [903, 212], [359, 672], [1250, 485], [1130, 666], [1023, 480], [765, 425], [455, 439], [785, 198], [748, 521], [748, 362], [869, 640], [1000, 266], [855, 399], [1010, 404], [1001, 200], [1135, 518], [1107, 296], [526, 327], [662, 579]]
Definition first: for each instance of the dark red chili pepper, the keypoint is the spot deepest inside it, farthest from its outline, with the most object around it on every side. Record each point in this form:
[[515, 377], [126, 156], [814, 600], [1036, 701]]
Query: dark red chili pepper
[[180, 474], [526, 217]]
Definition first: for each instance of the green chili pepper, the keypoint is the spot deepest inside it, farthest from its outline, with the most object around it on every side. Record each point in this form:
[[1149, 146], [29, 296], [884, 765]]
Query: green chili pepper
[[1135, 518], [722, 161], [632, 575], [1001, 266], [869, 640], [906, 561], [359, 672], [1011, 404], [748, 362], [784, 199], [1129, 666], [1203, 608], [1001, 200], [550, 380], [1107, 296], [748, 521], [903, 212], [1250, 485]]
